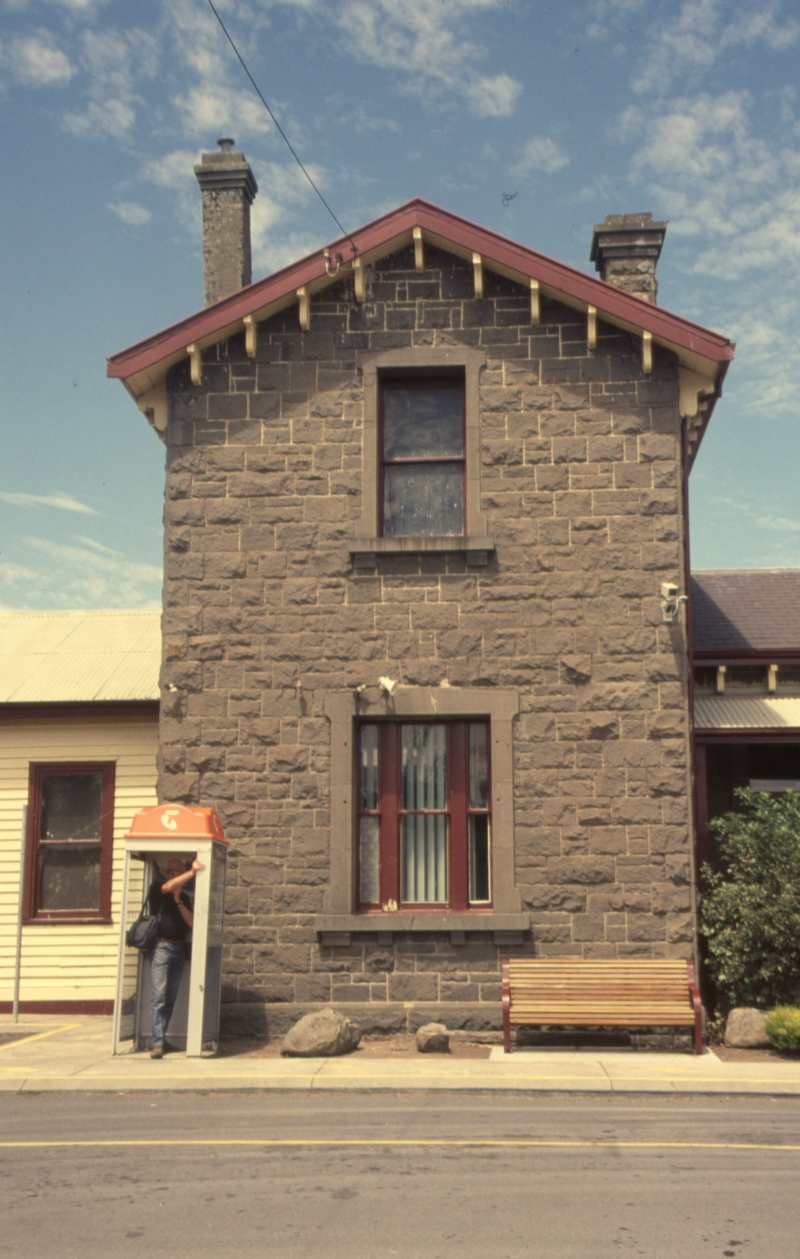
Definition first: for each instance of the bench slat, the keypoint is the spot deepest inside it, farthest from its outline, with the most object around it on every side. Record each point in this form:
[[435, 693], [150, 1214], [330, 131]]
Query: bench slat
[[602, 993]]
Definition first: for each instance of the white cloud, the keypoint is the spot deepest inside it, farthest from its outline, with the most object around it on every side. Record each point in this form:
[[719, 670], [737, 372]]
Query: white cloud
[[67, 576], [79, 6], [114, 62], [12, 574], [747, 27], [130, 212], [717, 180], [36, 61], [172, 170], [214, 107], [96, 546], [358, 119], [216, 98], [64, 502], [683, 43], [780, 523], [540, 154], [691, 42], [493, 97], [763, 537], [728, 186], [423, 41], [112, 118], [284, 189]]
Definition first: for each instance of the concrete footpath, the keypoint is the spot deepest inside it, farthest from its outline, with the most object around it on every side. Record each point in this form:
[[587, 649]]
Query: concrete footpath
[[57, 1054]]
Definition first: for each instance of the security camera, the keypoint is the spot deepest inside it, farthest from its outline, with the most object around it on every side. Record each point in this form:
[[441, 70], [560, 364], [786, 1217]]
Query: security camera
[[670, 601]]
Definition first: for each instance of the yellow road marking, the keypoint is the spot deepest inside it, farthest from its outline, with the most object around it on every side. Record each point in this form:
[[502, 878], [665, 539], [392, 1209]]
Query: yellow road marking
[[26, 1040], [369, 1142]]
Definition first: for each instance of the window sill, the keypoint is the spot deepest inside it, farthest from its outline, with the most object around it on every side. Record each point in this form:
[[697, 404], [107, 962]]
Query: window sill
[[339, 928], [476, 547], [68, 921]]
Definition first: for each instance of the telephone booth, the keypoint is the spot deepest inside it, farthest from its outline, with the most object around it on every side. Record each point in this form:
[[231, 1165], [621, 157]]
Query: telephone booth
[[156, 834]]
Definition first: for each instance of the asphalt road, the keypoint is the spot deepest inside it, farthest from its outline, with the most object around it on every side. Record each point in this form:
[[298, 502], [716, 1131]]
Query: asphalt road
[[473, 1176]]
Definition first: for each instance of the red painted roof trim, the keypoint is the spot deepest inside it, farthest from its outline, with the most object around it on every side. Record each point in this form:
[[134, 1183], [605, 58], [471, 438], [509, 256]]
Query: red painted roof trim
[[418, 213]]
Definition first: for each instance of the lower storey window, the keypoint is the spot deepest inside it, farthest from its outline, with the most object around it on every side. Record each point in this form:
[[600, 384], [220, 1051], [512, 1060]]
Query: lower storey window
[[70, 841], [424, 826]]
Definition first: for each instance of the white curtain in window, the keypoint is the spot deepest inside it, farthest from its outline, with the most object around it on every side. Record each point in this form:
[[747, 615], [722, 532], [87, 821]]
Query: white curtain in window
[[424, 834]]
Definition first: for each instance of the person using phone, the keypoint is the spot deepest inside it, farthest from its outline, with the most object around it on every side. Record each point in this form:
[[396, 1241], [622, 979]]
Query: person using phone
[[171, 902]]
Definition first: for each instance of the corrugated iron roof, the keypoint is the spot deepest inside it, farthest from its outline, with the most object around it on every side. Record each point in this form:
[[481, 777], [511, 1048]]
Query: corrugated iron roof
[[79, 657], [746, 609], [762, 712]]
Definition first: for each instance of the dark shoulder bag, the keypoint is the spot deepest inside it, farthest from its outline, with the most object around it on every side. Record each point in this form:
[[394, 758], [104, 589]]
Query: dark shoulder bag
[[144, 933]]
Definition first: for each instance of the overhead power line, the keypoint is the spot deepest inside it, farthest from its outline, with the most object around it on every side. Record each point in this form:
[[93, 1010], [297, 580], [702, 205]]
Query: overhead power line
[[280, 128]]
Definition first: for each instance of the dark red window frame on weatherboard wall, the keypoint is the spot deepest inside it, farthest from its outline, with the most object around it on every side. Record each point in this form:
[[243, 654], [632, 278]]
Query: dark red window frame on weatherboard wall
[[423, 825], [63, 868], [423, 465]]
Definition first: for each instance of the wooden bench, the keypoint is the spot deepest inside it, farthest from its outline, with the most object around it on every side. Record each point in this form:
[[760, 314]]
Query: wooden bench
[[568, 992]]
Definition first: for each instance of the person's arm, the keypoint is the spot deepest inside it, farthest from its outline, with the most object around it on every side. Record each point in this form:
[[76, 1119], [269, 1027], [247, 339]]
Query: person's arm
[[186, 914], [179, 881]]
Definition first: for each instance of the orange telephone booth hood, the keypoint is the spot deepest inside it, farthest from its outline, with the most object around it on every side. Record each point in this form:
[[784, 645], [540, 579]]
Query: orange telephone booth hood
[[176, 822]]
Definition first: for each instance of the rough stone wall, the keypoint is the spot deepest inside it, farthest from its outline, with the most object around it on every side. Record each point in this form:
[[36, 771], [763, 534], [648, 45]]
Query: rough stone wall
[[264, 614], [226, 242], [634, 275]]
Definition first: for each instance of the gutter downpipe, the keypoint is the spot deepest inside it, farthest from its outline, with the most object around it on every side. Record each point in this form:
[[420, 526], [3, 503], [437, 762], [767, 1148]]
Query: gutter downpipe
[[692, 768]]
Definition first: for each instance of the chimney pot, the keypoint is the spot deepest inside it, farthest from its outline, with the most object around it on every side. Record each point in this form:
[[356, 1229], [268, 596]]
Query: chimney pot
[[228, 187], [625, 251]]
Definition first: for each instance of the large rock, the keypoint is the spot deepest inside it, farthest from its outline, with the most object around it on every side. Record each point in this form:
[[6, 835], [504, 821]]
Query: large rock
[[744, 1029], [433, 1038], [322, 1034]]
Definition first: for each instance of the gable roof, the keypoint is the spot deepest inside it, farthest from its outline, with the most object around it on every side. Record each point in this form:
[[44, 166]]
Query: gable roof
[[745, 611], [79, 657], [706, 354]]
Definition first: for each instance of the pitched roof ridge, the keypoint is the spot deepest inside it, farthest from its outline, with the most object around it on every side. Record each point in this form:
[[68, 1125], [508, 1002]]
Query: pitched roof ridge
[[559, 276]]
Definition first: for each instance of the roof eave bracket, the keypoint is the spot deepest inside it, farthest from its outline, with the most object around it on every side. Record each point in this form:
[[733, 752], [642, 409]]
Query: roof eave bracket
[[250, 335], [195, 363]]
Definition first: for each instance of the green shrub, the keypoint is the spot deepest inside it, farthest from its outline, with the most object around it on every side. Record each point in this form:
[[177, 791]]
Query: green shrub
[[750, 908], [783, 1027]]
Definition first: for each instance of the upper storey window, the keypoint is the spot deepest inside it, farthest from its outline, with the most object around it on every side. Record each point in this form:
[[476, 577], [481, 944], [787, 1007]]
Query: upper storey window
[[423, 465]]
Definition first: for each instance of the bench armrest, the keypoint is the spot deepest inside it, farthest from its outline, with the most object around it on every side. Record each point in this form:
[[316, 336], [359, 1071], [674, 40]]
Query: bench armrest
[[506, 1009], [694, 996]]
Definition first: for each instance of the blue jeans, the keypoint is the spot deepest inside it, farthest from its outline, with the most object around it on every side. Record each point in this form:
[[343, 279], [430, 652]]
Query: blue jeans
[[166, 968]]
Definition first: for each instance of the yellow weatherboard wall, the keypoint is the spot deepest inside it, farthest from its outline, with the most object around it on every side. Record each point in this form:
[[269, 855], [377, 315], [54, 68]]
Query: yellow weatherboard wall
[[68, 962]]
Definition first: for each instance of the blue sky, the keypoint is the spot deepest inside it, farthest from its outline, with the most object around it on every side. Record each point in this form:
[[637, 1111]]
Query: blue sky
[[580, 108]]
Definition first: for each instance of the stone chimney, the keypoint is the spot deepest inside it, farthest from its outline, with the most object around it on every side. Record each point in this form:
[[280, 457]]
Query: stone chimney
[[625, 250], [228, 187]]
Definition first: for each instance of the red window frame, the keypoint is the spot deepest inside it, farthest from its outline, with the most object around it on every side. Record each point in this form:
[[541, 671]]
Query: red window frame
[[37, 773], [422, 381], [390, 814]]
